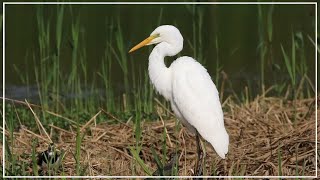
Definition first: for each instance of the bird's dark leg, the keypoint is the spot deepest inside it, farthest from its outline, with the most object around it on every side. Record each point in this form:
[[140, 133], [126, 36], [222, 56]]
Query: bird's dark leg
[[198, 168]]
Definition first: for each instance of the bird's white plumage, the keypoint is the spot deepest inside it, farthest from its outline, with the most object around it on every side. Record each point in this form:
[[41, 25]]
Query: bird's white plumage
[[188, 86], [196, 99]]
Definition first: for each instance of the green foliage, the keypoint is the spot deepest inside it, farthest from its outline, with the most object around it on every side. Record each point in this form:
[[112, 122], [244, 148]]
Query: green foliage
[[34, 158], [138, 130], [58, 38], [218, 66], [158, 162], [265, 32], [135, 154], [291, 62], [197, 13], [123, 61], [79, 138]]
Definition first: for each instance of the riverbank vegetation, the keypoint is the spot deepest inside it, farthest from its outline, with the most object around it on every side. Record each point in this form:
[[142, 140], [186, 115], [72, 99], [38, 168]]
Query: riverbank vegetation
[[100, 128]]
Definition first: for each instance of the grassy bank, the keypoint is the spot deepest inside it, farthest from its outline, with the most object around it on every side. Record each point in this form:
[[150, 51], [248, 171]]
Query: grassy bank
[[268, 136]]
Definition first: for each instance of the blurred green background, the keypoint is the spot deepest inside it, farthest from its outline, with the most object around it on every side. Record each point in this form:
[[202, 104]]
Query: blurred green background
[[76, 56]]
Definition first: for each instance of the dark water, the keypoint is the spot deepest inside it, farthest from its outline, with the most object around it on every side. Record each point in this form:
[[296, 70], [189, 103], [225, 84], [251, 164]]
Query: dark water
[[235, 27]]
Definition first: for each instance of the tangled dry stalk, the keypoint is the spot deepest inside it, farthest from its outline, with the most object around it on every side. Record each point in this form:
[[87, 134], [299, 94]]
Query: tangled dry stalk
[[263, 133]]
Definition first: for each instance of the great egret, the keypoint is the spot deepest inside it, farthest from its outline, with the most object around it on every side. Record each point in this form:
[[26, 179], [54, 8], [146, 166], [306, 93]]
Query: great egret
[[188, 86]]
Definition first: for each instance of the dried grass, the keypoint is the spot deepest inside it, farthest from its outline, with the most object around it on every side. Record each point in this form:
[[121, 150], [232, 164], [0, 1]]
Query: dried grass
[[258, 130]]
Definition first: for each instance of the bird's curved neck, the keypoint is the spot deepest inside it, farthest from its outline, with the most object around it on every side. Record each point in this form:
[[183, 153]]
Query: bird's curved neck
[[159, 74]]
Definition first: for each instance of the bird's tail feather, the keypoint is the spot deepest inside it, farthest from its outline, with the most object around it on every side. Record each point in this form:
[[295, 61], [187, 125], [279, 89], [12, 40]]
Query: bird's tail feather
[[220, 143]]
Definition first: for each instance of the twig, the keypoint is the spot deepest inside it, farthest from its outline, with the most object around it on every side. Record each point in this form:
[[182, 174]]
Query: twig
[[58, 115], [3, 130], [113, 117], [97, 139], [38, 136], [310, 83], [38, 121], [15, 109], [92, 119], [225, 101], [163, 106], [20, 102], [60, 129], [165, 128], [121, 152], [37, 106], [21, 141]]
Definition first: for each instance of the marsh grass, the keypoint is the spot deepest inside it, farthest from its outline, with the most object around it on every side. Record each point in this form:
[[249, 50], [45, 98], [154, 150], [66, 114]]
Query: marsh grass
[[34, 159], [135, 117], [265, 33], [275, 150], [138, 94], [43, 77], [218, 66], [291, 63], [77, 156], [121, 56], [196, 45], [106, 73], [56, 58]]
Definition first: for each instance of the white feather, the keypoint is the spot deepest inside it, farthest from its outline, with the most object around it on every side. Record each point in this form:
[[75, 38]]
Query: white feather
[[188, 86], [197, 100]]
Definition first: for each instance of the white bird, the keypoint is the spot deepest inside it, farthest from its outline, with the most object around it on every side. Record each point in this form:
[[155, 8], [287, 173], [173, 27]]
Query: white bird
[[188, 86]]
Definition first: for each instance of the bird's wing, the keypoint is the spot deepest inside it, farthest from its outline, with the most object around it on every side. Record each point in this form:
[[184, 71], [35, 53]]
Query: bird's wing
[[197, 99]]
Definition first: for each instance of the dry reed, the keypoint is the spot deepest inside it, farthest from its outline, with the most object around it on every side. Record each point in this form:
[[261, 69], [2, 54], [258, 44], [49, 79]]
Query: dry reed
[[260, 132]]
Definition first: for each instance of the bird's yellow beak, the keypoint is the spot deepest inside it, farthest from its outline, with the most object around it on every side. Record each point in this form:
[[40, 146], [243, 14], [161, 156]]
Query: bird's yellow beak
[[143, 43]]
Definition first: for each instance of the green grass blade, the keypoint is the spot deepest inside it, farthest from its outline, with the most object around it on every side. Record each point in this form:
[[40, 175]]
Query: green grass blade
[[293, 59], [288, 64], [312, 41], [158, 162], [60, 13], [164, 145], [135, 154], [160, 16], [138, 131], [269, 22], [34, 159]]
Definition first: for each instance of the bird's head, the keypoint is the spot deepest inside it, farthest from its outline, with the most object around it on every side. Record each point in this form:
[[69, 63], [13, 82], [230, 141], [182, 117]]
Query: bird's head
[[164, 33]]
